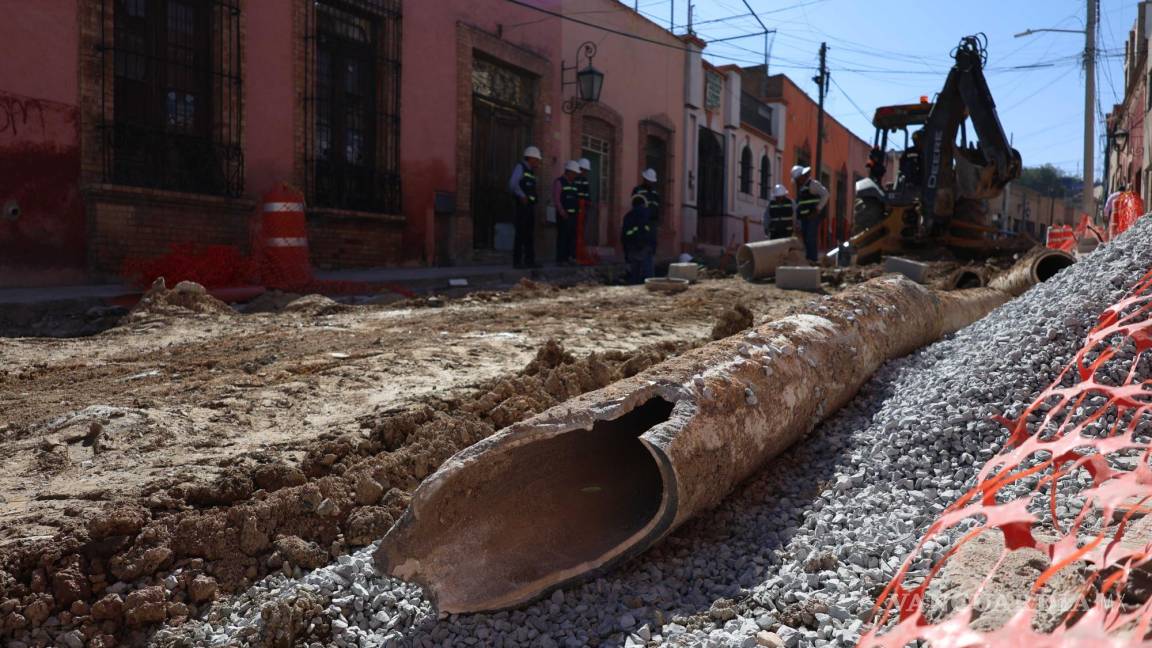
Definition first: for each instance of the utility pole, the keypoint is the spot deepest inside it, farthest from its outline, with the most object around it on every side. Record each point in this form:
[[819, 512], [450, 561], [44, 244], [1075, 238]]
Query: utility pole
[[1089, 199], [821, 80]]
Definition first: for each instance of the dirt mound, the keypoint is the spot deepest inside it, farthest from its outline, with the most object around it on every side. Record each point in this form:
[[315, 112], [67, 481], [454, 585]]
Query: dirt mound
[[272, 301], [315, 305], [184, 299], [733, 321], [142, 565]]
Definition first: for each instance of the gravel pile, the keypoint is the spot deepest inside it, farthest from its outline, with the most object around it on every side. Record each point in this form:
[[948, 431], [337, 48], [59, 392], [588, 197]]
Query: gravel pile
[[797, 556]]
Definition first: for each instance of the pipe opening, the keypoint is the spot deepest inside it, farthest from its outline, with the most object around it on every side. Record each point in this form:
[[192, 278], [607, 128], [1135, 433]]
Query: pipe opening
[[571, 501], [967, 279], [1049, 265]]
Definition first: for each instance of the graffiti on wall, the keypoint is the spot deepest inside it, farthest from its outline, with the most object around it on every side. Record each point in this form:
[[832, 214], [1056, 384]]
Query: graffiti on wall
[[21, 115]]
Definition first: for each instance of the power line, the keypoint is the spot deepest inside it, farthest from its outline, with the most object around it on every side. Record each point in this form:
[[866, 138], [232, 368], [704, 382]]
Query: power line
[[849, 98]]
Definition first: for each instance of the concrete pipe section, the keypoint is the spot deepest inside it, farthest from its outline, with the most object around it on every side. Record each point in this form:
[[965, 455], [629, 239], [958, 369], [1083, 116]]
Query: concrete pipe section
[[1037, 266], [759, 260], [577, 489]]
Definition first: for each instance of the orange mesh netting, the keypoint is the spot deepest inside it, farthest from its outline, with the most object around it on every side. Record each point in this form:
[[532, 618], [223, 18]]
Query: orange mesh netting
[[1129, 206], [1070, 489]]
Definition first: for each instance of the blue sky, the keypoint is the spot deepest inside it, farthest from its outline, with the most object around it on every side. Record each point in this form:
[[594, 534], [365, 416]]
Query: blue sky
[[894, 51]]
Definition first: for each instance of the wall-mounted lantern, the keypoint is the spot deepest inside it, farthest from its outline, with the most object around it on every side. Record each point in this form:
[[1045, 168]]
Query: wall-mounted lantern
[[589, 81]]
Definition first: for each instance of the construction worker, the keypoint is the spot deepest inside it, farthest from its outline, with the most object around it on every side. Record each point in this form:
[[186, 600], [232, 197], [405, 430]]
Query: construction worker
[[910, 169], [584, 190], [566, 199], [522, 184], [1110, 204], [779, 218], [811, 197], [647, 188], [638, 238]]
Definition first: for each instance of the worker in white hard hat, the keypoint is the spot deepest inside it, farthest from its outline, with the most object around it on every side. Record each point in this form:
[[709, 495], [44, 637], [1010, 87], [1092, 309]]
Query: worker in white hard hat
[[811, 197], [780, 216], [522, 184], [566, 199], [647, 188]]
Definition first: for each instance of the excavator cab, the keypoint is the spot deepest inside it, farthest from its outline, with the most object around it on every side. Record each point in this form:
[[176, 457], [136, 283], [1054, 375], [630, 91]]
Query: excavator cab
[[940, 194]]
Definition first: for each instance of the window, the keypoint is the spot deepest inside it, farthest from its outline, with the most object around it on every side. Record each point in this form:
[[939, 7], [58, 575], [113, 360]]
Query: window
[[746, 170], [354, 110], [599, 152], [765, 176], [175, 116]]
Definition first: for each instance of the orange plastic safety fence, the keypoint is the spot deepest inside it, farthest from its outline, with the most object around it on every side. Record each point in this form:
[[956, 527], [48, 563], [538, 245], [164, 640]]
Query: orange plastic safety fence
[[1129, 206], [1087, 437]]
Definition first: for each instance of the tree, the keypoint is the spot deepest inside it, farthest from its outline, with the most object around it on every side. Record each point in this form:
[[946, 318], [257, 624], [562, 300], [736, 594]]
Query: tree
[[1047, 179]]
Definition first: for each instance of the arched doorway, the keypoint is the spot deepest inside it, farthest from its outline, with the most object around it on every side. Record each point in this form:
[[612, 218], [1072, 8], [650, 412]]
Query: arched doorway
[[710, 191]]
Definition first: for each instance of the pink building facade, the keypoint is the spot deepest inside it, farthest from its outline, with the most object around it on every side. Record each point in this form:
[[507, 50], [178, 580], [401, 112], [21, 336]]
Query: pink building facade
[[132, 125]]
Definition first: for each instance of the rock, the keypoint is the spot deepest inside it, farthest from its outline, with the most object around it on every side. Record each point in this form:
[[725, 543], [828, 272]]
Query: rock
[[302, 553], [145, 606], [368, 490], [627, 621], [130, 566], [119, 521], [367, 524], [14, 622], [202, 589], [71, 639], [69, 585], [769, 639], [38, 610], [327, 508], [109, 608]]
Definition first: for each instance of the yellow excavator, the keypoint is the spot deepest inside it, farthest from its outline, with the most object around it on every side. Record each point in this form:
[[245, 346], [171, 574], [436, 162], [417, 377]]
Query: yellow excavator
[[941, 192]]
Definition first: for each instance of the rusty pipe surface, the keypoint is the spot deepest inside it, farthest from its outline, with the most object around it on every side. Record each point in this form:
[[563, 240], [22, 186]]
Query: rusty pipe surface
[[1037, 266], [574, 490]]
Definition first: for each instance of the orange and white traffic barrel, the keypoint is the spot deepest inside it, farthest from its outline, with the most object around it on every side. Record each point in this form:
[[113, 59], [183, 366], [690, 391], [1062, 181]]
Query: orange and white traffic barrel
[[284, 239], [1060, 237]]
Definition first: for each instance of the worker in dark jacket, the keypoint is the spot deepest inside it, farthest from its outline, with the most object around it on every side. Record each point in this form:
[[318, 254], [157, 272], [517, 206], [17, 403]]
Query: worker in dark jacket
[[566, 200], [780, 217], [522, 184], [639, 240], [647, 188], [811, 196]]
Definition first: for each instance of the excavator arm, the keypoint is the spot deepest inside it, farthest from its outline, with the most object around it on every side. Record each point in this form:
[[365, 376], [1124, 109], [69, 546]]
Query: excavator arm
[[950, 174]]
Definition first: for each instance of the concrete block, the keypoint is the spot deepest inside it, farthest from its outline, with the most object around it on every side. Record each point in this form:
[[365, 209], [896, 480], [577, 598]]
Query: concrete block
[[914, 270], [798, 278]]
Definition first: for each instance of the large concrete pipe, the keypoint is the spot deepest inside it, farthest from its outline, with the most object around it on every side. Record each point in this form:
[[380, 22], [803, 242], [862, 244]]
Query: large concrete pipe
[[1037, 266], [598, 479], [759, 260]]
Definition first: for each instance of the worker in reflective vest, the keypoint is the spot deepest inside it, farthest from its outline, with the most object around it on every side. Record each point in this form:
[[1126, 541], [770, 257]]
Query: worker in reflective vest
[[779, 218], [811, 197], [566, 199], [584, 191], [638, 237], [647, 189], [522, 184]]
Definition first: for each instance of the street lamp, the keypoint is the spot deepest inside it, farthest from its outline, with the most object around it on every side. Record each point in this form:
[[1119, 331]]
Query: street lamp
[[589, 81], [1088, 199]]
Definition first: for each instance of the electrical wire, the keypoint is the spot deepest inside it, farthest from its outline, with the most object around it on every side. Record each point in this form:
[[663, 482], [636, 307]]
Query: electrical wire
[[849, 98]]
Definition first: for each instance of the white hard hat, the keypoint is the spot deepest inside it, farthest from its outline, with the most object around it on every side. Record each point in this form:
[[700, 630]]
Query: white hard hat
[[798, 171], [533, 152], [649, 175], [779, 191], [585, 164], [572, 165]]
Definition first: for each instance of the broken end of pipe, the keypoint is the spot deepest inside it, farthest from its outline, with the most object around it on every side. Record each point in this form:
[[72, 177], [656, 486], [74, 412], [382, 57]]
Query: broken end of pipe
[[1052, 262], [545, 507]]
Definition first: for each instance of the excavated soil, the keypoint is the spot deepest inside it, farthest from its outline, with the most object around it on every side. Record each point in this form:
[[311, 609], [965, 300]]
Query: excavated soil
[[193, 449]]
